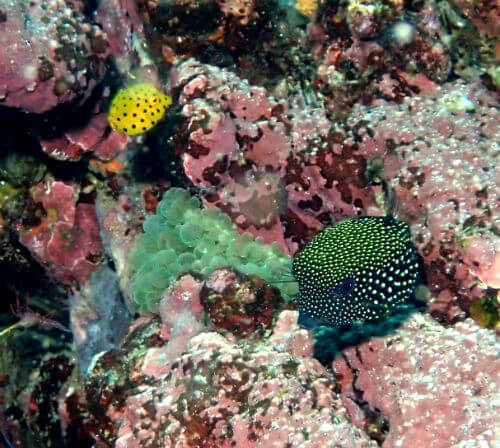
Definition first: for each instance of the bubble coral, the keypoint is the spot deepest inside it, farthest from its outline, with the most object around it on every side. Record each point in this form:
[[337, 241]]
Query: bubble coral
[[182, 237]]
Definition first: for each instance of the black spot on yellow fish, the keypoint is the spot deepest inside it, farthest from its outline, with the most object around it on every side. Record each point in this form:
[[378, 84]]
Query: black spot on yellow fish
[[128, 112]]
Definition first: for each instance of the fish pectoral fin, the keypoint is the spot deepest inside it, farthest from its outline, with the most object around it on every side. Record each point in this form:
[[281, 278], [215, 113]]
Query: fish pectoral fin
[[306, 321], [343, 289]]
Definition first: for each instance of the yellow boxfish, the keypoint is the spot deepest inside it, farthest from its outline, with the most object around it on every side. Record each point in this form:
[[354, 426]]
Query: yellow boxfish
[[362, 269], [138, 108]]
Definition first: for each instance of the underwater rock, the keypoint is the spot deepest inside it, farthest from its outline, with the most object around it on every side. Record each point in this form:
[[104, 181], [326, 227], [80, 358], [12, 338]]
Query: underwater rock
[[181, 297], [439, 165], [282, 127], [196, 28], [95, 136], [244, 305], [20, 170], [99, 316], [368, 19], [358, 48], [435, 386], [423, 383], [221, 393], [260, 39], [287, 335], [120, 221], [66, 240], [47, 57], [274, 167], [52, 406], [120, 21], [485, 15]]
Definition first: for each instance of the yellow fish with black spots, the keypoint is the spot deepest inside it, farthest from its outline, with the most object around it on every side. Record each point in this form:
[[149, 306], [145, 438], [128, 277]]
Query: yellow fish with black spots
[[138, 108]]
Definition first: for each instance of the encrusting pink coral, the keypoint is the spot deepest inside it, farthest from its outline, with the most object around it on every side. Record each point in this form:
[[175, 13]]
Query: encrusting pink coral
[[220, 393], [436, 154], [243, 305], [435, 386], [356, 44], [39, 68], [95, 137], [249, 152], [67, 239]]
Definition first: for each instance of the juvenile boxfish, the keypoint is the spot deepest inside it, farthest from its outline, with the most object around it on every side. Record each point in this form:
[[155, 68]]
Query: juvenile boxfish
[[138, 108]]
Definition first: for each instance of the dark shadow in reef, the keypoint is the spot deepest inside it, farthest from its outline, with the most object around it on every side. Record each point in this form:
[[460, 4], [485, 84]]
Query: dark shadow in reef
[[21, 132], [90, 7], [262, 51], [22, 280], [54, 122], [330, 341], [157, 160]]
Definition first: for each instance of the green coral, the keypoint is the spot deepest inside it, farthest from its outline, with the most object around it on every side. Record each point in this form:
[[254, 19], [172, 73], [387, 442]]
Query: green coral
[[183, 237]]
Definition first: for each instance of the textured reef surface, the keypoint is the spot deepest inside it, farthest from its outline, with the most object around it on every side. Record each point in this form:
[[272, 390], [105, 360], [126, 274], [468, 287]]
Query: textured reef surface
[[249, 223]]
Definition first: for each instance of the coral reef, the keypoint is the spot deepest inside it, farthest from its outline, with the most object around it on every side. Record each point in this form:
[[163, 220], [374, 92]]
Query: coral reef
[[221, 392], [244, 305], [276, 169], [485, 15], [93, 137], [254, 37], [434, 385], [437, 155], [157, 264], [58, 58], [373, 47], [120, 23], [181, 238], [66, 238]]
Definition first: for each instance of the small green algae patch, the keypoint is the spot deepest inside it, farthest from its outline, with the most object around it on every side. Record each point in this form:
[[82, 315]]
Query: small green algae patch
[[485, 312]]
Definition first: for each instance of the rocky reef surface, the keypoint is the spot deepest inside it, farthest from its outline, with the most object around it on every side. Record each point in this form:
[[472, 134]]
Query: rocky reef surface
[[127, 321]]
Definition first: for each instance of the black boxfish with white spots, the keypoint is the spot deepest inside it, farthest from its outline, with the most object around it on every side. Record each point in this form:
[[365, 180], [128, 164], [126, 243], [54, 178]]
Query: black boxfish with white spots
[[362, 269]]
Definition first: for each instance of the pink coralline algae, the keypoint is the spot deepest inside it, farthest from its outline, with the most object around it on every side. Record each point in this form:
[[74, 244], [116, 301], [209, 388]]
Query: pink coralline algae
[[484, 14], [437, 153], [95, 136], [67, 239], [181, 298], [372, 47], [436, 387], [118, 19], [275, 168], [56, 59], [222, 394], [288, 125], [226, 300]]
